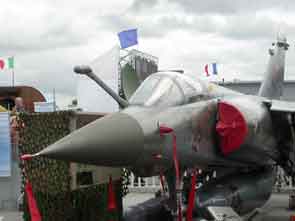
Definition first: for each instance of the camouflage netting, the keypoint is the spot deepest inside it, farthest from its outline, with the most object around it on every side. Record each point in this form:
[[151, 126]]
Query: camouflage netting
[[51, 179]]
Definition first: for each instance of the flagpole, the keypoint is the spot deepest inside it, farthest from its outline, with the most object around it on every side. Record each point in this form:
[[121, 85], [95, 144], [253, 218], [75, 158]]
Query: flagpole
[[54, 100], [12, 71], [13, 77]]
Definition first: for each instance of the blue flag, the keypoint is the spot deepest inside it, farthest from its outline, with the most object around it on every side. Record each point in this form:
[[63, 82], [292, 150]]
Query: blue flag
[[214, 66], [128, 38]]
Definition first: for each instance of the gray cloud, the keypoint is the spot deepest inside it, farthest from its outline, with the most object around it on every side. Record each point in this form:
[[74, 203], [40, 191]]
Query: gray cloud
[[55, 36], [237, 27], [147, 27], [49, 37], [239, 19], [139, 5], [231, 6]]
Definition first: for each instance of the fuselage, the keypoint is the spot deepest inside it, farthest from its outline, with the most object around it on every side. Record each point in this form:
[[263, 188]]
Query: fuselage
[[173, 120], [190, 108]]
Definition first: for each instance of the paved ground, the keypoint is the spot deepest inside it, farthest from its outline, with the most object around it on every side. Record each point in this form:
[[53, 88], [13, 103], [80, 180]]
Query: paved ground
[[10, 216], [274, 210], [133, 199]]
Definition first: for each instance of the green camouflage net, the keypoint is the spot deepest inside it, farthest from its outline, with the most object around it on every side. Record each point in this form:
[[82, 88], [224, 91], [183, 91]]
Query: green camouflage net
[[51, 179]]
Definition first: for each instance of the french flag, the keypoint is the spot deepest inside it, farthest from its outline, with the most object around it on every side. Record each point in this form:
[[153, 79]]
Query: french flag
[[211, 68]]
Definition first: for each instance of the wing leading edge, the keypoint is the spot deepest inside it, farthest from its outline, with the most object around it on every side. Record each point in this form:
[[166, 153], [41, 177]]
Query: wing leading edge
[[281, 106]]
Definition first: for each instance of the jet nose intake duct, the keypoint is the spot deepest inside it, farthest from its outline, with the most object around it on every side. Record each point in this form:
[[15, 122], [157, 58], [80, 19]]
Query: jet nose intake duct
[[114, 140], [231, 127]]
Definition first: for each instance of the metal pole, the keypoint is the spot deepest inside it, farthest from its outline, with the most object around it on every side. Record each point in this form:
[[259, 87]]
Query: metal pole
[[11, 65], [54, 104], [13, 77]]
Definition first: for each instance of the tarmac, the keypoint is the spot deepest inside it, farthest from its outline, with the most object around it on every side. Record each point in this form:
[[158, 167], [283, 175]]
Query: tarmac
[[10, 216], [276, 209]]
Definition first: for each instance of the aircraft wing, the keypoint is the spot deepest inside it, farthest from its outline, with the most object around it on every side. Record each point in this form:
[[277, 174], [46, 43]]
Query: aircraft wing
[[284, 121], [281, 106]]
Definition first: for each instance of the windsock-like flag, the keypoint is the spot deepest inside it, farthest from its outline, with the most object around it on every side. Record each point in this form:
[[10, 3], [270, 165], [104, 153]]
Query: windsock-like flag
[[6, 63], [128, 38], [206, 70], [211, 69]]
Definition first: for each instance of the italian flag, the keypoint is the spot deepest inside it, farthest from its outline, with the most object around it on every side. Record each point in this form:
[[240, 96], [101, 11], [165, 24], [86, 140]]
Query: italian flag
[[6, 63]]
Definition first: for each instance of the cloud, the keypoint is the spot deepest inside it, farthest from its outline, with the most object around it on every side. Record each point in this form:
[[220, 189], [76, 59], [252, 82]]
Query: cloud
[[143, 4], [244, 26], [49, 37], [226, 7]]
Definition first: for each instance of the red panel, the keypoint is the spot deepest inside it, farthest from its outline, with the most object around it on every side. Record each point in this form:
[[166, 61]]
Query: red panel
[[231, 127]]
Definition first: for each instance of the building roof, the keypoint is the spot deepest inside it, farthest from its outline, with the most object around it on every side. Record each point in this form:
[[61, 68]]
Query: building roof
[[27, 93], [246, 82]]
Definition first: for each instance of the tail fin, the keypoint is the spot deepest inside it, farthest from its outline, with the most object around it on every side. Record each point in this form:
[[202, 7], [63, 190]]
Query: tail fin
[[272, 85]]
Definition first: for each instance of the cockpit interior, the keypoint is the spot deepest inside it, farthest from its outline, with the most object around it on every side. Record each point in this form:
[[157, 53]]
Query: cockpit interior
[[166, 89]]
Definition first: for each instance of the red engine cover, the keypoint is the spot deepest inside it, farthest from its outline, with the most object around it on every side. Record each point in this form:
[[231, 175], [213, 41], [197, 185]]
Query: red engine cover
[[231, 127]]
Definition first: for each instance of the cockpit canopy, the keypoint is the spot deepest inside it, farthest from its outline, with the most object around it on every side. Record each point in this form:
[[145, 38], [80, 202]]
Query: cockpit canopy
[[166, 89]]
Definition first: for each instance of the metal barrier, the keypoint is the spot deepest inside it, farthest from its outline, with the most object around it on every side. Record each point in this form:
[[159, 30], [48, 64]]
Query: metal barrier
[[153, 184], [144, 185], [283, 183]]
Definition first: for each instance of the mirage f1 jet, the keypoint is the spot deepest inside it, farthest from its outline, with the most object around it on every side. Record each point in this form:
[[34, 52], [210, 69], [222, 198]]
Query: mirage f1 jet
[[173, 124]]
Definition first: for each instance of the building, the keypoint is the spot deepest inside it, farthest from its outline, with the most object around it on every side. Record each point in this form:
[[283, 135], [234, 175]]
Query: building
[[252, 87], [28, 94], [10, 184]]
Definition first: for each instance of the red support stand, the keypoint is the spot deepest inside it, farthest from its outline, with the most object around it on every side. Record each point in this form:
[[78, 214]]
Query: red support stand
[[111, 196], [167, 130], [32, 204], [192, 196]]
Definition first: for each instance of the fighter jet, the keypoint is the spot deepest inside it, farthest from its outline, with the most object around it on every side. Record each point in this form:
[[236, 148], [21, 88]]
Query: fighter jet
[[174, 124]]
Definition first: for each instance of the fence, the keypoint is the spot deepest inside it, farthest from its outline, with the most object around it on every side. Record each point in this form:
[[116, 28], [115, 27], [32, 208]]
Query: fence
[[144, 185], [152, 184], [283, 183]]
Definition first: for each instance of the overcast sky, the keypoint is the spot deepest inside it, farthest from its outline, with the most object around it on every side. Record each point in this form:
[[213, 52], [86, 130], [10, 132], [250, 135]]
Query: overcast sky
[[49, 37]]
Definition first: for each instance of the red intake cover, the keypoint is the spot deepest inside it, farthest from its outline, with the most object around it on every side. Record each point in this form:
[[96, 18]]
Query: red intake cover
[[231, 127]]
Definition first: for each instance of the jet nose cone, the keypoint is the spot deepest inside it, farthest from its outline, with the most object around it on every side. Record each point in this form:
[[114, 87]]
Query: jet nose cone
[[114, 140]]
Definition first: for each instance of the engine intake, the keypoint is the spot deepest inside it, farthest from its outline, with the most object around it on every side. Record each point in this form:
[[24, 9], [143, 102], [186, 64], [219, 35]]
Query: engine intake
[[245, 130], [231, 127]]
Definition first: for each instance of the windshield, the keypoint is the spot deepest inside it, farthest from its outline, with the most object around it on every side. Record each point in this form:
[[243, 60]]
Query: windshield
[[158, 90]]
